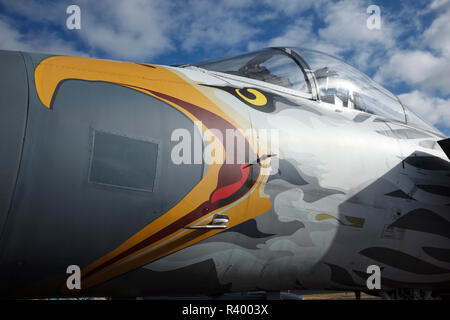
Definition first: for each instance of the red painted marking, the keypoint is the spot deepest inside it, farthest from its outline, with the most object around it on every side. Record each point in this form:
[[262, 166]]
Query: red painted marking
[[227, 191]]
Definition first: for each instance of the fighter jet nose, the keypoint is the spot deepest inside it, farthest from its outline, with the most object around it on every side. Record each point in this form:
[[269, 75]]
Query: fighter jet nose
[[13, 111]]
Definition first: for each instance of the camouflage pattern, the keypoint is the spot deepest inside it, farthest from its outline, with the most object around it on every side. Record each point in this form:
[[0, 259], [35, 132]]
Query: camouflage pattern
[[352, 190]]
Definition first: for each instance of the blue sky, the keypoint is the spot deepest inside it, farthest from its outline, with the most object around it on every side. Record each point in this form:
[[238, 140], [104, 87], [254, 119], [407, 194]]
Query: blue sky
[[409, 54]]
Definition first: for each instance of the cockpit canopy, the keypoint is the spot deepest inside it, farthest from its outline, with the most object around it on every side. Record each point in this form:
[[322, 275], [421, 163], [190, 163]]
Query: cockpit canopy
[[269, 65], [319, 76]]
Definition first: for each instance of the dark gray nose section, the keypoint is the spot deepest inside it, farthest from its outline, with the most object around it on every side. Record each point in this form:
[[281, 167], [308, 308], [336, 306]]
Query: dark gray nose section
[[13, 114]]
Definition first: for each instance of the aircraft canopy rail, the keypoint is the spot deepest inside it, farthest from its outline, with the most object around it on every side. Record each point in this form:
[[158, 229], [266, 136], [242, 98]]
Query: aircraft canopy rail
[[324, 77]]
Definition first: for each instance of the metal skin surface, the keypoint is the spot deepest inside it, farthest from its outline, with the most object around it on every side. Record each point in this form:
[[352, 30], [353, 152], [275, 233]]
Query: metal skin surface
[[352, 190]]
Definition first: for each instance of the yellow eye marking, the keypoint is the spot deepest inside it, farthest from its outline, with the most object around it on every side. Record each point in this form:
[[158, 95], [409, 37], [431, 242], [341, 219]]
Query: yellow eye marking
[[259, 99]]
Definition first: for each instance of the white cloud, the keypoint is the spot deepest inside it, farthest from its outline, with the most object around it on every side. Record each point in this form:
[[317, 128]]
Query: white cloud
[[438, 4], [432, 109], [217, 25], [38, 41], [346, 25], [132, 29], [36, 11], [140, 29], [42, 39], [437, 35], [292, 7], [427, 66], [418, 68], [9, 37], [129, 29], [344, 33], [296, 35], [299, 34]]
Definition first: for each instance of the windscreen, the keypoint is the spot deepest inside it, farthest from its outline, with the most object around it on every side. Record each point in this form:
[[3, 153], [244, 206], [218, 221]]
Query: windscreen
[[269, 65]]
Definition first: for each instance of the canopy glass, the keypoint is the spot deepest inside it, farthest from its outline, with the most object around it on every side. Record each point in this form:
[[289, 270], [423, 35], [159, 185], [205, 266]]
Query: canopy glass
[[324, 77]]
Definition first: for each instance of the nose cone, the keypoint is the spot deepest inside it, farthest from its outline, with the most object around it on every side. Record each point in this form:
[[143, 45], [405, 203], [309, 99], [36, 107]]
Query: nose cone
[[13, 111]]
